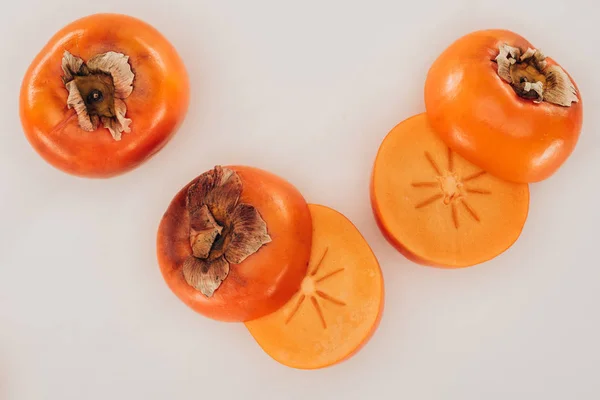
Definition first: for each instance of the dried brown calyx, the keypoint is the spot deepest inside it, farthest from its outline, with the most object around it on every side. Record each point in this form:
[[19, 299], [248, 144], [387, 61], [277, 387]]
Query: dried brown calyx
[[532, 78], [97, 89], [223, 231]]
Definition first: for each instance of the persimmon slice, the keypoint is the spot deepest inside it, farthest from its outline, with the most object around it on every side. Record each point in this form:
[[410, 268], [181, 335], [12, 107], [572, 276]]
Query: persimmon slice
[[437, 208], [339, 305]]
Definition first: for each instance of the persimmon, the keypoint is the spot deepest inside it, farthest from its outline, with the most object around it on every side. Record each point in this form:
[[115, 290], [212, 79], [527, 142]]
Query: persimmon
[[234, 243], [103, 95], [437, 208], [500, 103], [339, 305]]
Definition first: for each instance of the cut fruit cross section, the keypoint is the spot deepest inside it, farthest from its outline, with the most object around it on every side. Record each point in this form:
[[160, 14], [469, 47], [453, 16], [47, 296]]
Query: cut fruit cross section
[[438, 209], [339, 305]]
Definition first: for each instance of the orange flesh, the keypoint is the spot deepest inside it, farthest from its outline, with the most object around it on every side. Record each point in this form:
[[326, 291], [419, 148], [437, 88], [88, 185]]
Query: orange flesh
[[437, 208], [338, 306]]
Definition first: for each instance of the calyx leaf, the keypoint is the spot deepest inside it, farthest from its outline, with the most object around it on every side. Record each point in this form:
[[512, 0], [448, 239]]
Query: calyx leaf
[[205, 276], [531, 78], [222, 230], [97, 89]]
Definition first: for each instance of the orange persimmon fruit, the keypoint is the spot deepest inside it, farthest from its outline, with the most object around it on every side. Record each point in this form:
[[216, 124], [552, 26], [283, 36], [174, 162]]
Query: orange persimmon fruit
[[103, 95], [501, 104], [234, 243], [340, 303], [437, 208]]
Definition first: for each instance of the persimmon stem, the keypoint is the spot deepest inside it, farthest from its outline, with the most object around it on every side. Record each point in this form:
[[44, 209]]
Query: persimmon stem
[[532, 78], [97, 89], [223, 230]]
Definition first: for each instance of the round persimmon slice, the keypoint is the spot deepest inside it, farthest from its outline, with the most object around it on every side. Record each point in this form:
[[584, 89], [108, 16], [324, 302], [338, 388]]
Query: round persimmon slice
[[437, 208], [234, 243], [339, 305]]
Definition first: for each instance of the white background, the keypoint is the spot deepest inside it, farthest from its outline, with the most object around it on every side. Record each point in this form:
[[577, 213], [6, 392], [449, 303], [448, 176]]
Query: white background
[[306, 89]]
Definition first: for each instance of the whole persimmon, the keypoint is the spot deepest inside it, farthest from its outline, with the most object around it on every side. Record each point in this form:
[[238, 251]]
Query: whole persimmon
[[235, 243], [104, 94], [501, 104]]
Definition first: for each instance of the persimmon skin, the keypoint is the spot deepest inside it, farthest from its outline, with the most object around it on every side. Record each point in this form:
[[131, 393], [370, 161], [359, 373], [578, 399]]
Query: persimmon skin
[[267, 279], [479, 116], [157, 105]]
